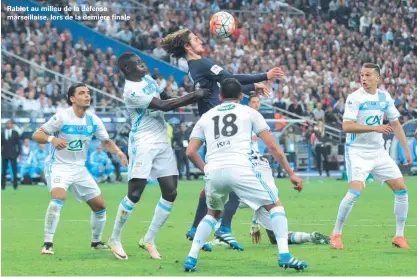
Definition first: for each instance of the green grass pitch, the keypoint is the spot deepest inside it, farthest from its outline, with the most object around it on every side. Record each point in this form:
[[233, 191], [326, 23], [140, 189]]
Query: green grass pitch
[[367, 234]]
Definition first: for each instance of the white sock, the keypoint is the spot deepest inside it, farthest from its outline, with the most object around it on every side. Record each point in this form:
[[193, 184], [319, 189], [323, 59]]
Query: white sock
[[345, 208], [400, 210], [279, 224], [125, 209], [162, 211], [98, 221], [202, 233], [51, 219], [300, 237]]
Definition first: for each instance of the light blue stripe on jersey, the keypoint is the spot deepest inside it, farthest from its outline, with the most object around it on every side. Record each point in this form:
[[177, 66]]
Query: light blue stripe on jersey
[[348, 163], [138, 120], [79, 130]]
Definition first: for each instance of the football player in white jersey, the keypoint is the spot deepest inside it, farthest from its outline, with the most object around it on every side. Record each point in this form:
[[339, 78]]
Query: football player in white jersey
[[69, 133], [261, 216], [151, 157], [364, 151], [227, 131]]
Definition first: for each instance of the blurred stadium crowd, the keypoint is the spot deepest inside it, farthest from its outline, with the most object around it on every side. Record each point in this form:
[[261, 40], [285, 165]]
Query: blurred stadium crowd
[[320, 51]]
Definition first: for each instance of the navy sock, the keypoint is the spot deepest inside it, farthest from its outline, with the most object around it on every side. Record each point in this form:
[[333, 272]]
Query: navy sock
[[230, 210], [201, 209]]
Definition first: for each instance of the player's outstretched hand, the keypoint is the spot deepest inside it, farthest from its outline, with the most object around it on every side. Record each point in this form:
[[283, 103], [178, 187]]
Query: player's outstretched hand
[[203, 93], [122, 158], [384, 129], [59, 143], [262, 89], [297, 182], [275, 73]]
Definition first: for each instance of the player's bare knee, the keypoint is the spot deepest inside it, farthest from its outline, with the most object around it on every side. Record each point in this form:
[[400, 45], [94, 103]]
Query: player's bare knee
[[59, 194], [99, 206], [271, 206], [215, 213], [356, 185], [136, 187], [169, 195], [397, 184]]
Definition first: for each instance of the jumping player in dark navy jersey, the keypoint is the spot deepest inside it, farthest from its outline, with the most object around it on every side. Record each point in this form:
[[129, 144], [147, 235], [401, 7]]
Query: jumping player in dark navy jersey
[[204, 73]]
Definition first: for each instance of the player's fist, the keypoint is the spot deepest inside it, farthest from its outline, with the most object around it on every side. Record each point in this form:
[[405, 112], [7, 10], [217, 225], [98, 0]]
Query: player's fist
[[262, 89], [202, 93], [122, 158], [384, 129], [59, 143], [275, 73], [297, 182]]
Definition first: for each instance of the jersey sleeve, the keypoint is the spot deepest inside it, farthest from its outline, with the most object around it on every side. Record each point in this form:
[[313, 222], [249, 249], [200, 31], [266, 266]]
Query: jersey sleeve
[[351, 109], [218, 74], [198, 132], [259, 123], [138, 100], [392, 113], [54, 124], [101, 132]]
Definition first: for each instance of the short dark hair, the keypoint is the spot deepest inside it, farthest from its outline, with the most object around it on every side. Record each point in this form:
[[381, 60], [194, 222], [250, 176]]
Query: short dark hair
[[174, 43], [373, 66], [123, 60], [253, 96], [230, 88], [71, 91]]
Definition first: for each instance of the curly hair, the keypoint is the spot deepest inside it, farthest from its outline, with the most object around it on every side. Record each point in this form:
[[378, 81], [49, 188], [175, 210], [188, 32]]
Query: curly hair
[[174, 43]]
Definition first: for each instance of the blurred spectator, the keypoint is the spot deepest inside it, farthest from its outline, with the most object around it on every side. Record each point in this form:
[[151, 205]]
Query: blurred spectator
[[180, 143], [295, 107], [10, 150], [101, 166], [318, 112], [24, 161], [38, 163], [319, 149], [289, 142]]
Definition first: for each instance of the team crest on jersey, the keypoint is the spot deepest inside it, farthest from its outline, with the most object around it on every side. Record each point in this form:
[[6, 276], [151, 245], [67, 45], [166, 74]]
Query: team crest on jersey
[[226, 107], [89, 129], [383, 105], [216, 69]]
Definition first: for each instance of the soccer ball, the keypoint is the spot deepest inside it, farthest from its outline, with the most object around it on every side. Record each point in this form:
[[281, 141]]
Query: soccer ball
[[222, 24]]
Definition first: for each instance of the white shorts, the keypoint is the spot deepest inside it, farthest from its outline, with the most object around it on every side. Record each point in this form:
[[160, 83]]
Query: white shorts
[[152, 161], [359, 164], [254, 189], [76, 178]]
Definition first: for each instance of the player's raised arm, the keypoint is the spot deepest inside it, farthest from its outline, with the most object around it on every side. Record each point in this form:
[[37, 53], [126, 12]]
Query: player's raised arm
[[196, 140], [44, 134], [173, 103]]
